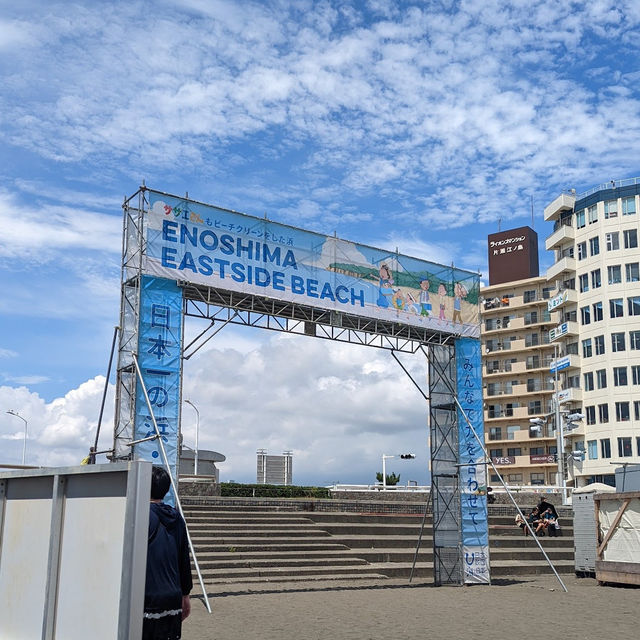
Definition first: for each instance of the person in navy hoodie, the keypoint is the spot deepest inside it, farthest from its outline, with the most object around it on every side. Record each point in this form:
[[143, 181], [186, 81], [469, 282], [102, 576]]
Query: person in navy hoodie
[[168, 582]]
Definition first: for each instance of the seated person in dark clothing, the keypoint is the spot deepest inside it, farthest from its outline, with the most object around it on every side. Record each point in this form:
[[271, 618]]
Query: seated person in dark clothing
[[168, 582], [550, 523], [534, 519], [543, 505]]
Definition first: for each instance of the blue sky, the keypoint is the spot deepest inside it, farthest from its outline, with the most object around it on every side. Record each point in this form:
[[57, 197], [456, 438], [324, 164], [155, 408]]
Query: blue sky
[[394, 124]]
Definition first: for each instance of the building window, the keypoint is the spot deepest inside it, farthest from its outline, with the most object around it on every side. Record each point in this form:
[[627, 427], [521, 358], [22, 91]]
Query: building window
[[580, 219], [537, 478], [630, 238], [535, 407], [511, 432], [531, 317], [619, 376], [635, 373], [628, 206], [599, 345], [595, 279], [634, 340], [514, 451], [533, 362], [633, 272], [536, 451], [601, 376], [495, 478], [495, 453], [603, 413], [587, 351], [617, 342], [592, 213], [588, 381], [636, 414], [573, 382], [546, 292], [530, 296], [605, 448], [592, 449], [582, 250], [495, 433], [614, 274], [634, 305], [583, 282], [585, 315], [594, 246], [622, 411], [612, 240], [597, 311], [624, 447], [591, 414], [531, 340], [514, 477], [610, 209], [616, 308]]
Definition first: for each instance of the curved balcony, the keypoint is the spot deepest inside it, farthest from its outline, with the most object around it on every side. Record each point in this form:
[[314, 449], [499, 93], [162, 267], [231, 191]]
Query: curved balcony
[[565, 265]]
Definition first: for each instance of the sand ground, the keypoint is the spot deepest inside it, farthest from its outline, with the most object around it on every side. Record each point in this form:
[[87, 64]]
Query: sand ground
[[395, 610]]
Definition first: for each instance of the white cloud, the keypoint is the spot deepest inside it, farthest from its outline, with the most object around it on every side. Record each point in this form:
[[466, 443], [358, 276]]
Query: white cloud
[[59, 432]]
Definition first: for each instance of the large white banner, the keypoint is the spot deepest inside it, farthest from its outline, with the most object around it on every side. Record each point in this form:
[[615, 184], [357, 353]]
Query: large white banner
[[199, 243]]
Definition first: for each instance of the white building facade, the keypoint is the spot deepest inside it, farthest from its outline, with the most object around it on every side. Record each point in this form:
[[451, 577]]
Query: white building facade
[[595, 310]]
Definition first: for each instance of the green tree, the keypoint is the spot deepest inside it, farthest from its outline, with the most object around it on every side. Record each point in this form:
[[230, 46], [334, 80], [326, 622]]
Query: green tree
[[392, 478]]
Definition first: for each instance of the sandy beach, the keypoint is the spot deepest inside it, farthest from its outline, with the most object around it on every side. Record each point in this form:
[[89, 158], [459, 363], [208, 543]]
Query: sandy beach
[[509, 608]]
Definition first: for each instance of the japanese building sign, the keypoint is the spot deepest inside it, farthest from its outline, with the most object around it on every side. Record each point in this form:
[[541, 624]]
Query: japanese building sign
[[542, 458], [472, 469], [513, 255], [556, 301], [559, 364], [558, 331], [159, 357], [199, 243]]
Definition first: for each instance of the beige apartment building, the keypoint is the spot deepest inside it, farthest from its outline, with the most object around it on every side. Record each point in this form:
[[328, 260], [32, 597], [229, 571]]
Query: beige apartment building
[[596, 318], [566, 343], [518, 386]]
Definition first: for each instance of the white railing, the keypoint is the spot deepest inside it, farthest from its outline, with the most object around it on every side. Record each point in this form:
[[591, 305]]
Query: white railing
[[378, 487], [513, 488], [613, 184]]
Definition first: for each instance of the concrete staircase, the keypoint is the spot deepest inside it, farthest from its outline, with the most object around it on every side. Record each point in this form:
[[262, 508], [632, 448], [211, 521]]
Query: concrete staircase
[[243, 544]]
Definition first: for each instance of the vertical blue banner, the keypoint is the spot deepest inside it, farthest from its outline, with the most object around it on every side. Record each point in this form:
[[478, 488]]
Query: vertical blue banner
[[159, 356], [473, 475]]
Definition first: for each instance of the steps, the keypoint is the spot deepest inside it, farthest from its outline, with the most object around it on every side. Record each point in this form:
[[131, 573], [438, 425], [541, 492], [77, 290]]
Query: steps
[[245, 543]]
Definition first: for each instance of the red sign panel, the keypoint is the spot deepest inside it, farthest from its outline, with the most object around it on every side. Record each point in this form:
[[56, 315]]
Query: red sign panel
[[541, 458]]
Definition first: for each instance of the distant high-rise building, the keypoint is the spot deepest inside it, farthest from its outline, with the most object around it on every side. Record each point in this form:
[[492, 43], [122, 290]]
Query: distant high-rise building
[[274, 469]]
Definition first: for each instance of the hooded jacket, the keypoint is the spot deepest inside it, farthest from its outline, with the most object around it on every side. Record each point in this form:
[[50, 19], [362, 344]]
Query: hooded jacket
[[168, 564]]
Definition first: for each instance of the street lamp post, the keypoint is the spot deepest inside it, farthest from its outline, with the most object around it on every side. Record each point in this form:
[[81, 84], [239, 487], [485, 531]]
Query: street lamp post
[[559, 430], [24, 444], [195, 457]]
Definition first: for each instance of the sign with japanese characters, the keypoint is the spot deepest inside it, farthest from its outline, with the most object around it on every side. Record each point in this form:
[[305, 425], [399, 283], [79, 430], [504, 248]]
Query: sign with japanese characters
[[159, 356], [558, 331], [472, 469], [556, 301], [203, 244], [513, 255], [559, 364]]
